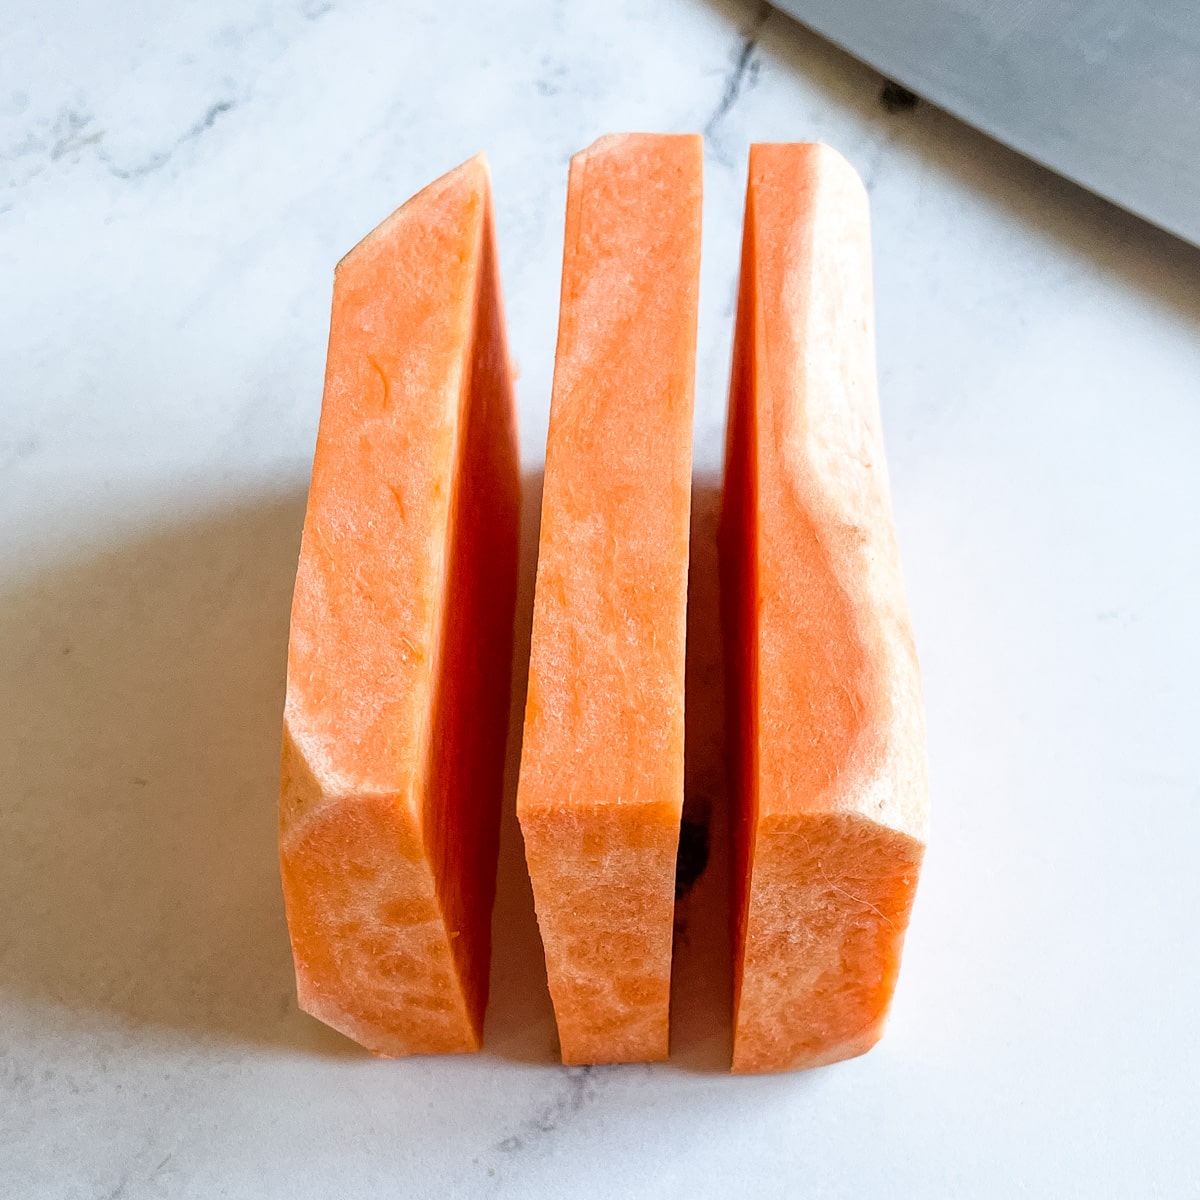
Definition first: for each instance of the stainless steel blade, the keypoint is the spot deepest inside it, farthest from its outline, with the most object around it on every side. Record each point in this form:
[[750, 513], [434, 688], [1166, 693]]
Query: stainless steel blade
[[1105, 92]]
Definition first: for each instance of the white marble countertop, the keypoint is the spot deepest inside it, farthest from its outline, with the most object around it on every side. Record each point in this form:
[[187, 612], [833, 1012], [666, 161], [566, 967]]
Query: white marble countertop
[[176, 183]]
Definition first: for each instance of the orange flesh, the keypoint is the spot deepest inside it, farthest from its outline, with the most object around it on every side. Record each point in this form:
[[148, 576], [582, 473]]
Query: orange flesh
[[827, 727], [601, 782], [401, 635]]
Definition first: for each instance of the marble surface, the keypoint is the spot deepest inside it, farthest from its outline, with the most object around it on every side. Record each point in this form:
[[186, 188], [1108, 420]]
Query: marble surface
[[176, 183]]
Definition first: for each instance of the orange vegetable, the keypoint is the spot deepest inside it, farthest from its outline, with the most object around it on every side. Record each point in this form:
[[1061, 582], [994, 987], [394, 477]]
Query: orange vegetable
[[831, 804], [601, 782], [401, 635]]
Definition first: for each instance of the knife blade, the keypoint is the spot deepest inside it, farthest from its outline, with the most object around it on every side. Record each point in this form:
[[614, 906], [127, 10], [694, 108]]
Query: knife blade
[[1105, 92]]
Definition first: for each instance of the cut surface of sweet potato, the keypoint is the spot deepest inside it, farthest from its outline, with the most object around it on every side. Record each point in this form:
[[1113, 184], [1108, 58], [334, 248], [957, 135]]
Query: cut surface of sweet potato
[[401, 635], [601, 780], [825, 711]]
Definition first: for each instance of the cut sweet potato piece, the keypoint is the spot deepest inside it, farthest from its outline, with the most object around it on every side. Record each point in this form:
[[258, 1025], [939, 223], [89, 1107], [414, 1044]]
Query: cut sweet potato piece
[[827, 726], [401, 635], [601, 782]]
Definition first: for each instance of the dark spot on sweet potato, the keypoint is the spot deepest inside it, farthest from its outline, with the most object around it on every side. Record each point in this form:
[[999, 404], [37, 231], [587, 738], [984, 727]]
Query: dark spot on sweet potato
[[694, 836]]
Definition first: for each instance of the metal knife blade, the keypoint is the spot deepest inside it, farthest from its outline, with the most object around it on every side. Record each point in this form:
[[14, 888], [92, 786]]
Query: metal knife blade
[[1105, 92]]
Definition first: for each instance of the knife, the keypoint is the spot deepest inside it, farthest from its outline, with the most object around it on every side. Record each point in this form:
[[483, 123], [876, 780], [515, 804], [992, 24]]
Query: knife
[[1105, 92]]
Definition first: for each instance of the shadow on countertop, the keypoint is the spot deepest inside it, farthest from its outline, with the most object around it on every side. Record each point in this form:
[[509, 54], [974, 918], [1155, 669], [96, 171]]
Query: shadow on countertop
[[520, 1019], [141, 705], [141, 709], [701, 976]]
